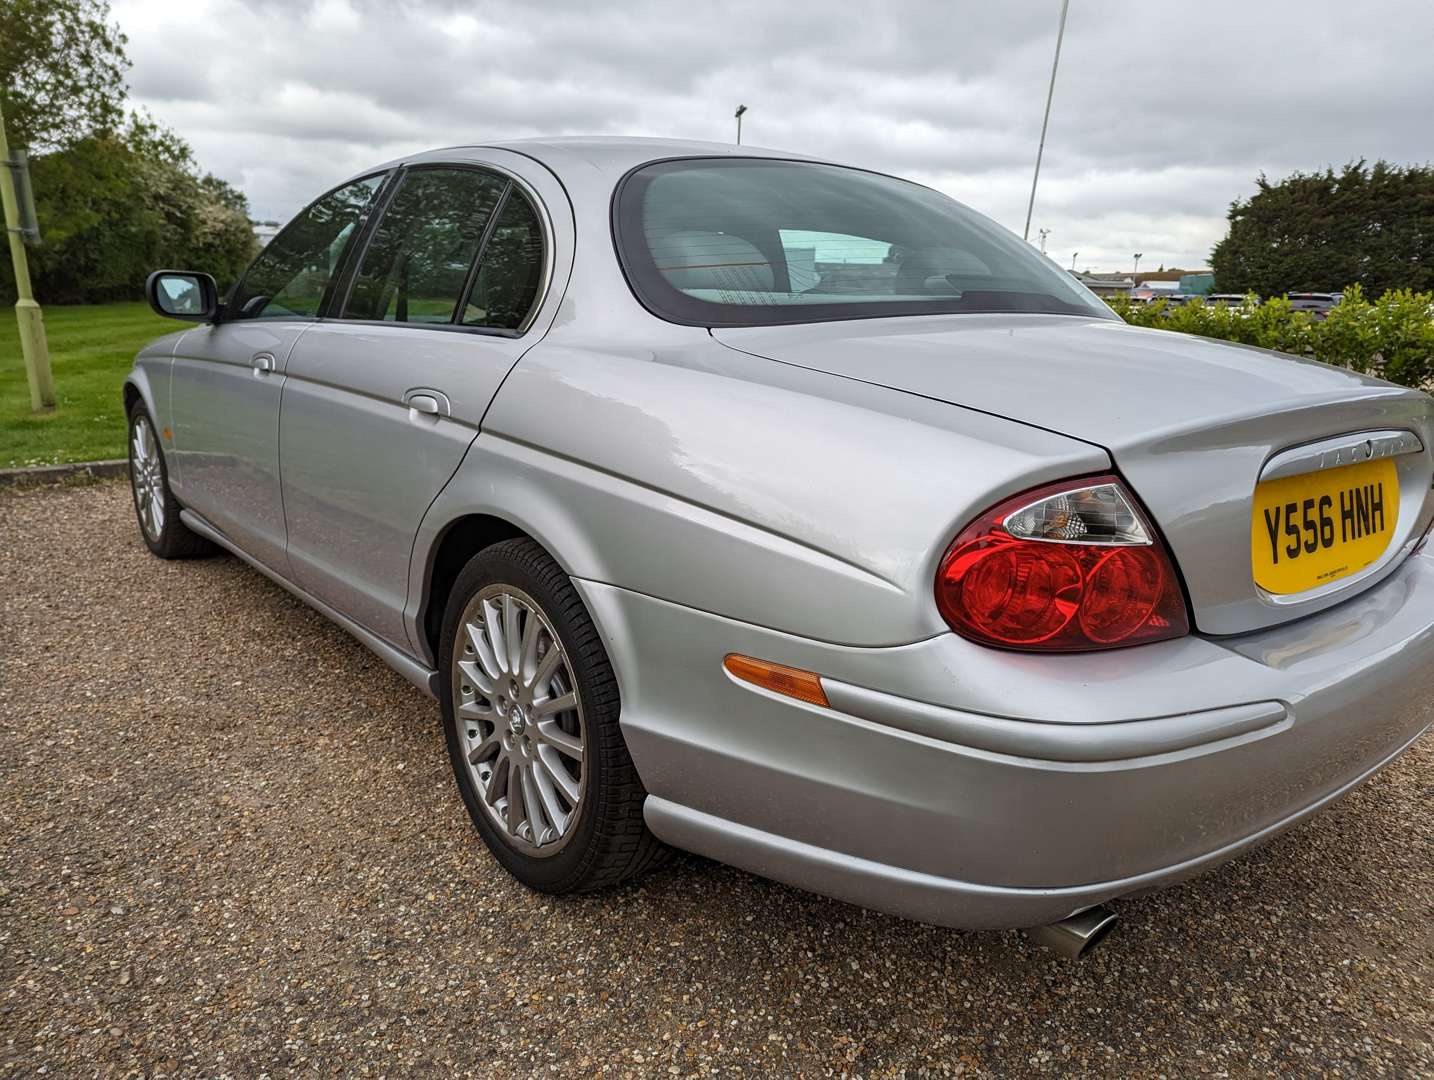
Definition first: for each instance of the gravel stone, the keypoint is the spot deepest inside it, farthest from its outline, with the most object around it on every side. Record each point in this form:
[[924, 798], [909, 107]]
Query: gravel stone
[[232, 847]]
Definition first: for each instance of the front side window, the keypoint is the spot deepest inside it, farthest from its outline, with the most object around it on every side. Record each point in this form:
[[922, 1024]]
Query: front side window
[[758, 242], [292, 276], [416, 265]]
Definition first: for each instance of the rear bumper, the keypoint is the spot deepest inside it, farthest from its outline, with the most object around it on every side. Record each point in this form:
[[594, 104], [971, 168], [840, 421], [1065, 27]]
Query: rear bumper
[[967, 787], [927, 897]]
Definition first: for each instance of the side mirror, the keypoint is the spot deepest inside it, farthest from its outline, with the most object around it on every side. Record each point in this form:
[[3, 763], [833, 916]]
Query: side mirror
[[182, 294]]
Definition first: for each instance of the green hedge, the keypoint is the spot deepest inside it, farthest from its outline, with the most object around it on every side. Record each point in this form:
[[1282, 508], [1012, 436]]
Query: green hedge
[[1392, 337]]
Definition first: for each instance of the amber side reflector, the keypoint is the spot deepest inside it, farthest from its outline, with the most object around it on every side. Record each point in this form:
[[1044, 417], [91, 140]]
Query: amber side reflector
[[789, 682]]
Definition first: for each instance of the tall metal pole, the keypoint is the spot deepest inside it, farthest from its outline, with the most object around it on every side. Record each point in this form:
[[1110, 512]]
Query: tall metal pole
[[1060, 35], [27, 312], [1136, 271], [738, 114]]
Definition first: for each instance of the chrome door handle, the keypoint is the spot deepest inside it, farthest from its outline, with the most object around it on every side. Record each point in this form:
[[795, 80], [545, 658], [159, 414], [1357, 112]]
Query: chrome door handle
[[262, 363], [428, 401]]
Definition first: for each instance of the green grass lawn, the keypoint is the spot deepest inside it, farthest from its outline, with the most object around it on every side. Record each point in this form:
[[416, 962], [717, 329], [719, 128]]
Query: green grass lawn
[[91, 348]]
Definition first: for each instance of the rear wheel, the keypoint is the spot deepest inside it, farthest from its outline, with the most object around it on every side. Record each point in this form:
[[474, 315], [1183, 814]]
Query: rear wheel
[[530, 708], [154, 504]]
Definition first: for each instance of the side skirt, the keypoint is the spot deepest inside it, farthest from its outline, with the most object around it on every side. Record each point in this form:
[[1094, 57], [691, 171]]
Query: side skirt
[[415, 672]]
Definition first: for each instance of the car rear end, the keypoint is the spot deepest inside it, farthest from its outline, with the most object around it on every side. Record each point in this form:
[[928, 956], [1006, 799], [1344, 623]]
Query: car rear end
[[1119, 695], [1134, 670], [969, 781]]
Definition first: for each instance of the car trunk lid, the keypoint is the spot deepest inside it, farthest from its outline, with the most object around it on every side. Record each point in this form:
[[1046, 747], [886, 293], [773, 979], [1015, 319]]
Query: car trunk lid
[[1191, 423]]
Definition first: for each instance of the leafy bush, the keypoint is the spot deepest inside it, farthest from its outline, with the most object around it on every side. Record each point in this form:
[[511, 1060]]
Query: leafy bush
[[1392, 337], [113, 207]]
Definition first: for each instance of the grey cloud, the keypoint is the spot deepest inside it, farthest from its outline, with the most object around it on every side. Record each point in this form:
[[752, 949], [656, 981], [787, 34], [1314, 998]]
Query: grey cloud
[[1162, 117]]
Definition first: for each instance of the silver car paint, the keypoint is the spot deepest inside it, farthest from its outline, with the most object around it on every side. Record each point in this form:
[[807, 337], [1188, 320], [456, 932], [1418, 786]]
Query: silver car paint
[[224, 414], [1189, 421], [776, 496], [360, 467], [149, 379], [708, 500], [920, 768]]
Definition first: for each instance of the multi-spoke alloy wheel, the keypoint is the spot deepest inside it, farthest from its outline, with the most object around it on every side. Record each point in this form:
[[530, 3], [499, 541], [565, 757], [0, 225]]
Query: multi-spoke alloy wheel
[[519, 719], [147, 477], [530, 711], [154, 504]]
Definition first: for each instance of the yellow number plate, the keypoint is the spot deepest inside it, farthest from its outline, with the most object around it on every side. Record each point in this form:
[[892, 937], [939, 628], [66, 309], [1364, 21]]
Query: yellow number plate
[[1319, 527]]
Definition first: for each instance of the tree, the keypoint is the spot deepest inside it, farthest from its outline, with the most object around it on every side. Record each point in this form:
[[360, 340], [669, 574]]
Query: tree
[[1320, 232], [116, 197], [62, 68], [115, 205]]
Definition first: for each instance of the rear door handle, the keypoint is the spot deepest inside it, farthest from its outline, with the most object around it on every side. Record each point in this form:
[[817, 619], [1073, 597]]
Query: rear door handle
[[263, 363], [428, 401]]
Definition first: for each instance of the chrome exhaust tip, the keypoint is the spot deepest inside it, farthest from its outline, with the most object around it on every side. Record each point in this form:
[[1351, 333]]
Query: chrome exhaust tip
[[1076, 935]]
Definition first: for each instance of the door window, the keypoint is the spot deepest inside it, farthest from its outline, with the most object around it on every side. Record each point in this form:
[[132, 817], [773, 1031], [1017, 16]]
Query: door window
[[418, 261], [510, 273], [292, 276]]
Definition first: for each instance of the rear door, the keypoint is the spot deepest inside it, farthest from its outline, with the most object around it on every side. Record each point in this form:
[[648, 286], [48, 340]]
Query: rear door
[[228, 377], [383, 401]]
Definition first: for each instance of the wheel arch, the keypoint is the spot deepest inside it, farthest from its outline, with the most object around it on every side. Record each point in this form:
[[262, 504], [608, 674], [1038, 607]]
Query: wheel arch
[[131, 395], [453, 546], [137, 388]]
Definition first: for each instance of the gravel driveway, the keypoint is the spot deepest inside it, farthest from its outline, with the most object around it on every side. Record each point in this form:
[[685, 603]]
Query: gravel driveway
[[231, 845]]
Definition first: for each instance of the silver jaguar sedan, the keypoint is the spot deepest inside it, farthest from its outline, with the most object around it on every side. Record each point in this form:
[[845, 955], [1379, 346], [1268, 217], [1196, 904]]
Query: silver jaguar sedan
[[799, 516]]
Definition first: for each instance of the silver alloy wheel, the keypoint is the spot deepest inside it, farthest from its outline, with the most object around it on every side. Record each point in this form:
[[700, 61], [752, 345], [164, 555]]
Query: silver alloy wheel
[[146, 477], [519, 720]]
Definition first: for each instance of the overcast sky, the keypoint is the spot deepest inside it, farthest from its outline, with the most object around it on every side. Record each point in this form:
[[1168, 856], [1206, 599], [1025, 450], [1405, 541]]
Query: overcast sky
[[1163, 113]]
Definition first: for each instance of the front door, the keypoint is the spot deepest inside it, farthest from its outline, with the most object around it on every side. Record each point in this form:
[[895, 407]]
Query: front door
[[227, 378], [382, 402]]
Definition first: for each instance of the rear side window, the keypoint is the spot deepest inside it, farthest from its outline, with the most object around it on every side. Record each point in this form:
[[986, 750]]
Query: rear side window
[[292, 276], [511, 271], [758, 242], [418, 261]]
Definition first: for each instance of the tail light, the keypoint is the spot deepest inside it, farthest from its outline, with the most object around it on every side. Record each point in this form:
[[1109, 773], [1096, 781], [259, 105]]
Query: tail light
[[1068, 567], [1424, 540]]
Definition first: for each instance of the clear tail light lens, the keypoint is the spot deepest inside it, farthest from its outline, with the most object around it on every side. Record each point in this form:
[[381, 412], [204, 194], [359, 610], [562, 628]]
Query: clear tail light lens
[[1068, 567]]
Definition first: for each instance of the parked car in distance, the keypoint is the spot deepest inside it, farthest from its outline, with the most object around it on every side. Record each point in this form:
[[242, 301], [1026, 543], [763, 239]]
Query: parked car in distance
[[1229, 298], [800, 516], [1317, 304]]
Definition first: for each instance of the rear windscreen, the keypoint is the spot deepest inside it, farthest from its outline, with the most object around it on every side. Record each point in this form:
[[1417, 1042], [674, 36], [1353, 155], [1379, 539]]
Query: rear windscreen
[[758, 242]]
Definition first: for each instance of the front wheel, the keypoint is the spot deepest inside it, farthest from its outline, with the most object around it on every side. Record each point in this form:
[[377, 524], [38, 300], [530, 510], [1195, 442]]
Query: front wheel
[[530, 709], [154, 504]]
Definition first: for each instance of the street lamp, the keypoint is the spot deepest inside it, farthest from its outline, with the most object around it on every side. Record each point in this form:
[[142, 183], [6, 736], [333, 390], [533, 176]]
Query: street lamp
[[1044, 233], [738, 114], [1073, 259], [1137, 263]]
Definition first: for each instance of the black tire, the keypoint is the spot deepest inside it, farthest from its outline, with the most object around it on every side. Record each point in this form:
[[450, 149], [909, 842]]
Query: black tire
[[173, 539], [609, 842]]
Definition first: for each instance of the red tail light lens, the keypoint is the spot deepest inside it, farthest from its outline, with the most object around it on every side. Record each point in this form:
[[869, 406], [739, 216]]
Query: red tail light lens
[[1065, 568]]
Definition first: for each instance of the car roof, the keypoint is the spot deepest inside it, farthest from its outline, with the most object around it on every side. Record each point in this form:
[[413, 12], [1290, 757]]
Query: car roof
[[607, 153]]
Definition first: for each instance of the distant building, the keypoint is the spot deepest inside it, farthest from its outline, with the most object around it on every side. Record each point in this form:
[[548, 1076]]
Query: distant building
[[1149, 284], [1105, 284], [1185, 282]]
